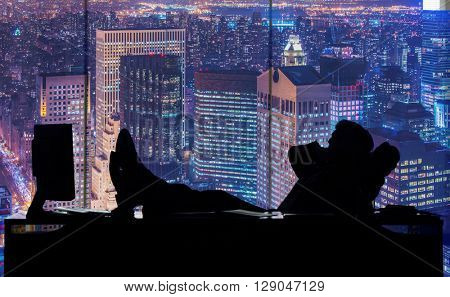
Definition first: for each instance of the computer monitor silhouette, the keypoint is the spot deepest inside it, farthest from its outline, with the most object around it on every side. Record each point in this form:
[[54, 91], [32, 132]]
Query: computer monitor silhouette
[[52, 165]]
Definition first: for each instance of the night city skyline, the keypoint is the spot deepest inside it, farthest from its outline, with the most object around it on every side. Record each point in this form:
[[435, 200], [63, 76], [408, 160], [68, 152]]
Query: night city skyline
[[214, 94]]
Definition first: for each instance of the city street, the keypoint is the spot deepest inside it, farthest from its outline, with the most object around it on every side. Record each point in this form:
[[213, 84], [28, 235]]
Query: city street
[[10, 176]]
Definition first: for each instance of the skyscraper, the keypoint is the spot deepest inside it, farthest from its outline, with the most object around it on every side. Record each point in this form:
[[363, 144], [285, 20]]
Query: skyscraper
[[225, 131], [151, 94], [103, 192], [293, 54], [390, 83], [22, 123], [435, 52], [410, 116], [64, 99], [421, 176], [345, 72], [111, 45], [401, 54], [442, 121], [435, 93], [413, 71], [293, 108]]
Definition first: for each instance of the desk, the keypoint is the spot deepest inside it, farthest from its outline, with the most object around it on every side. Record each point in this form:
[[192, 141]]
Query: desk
[[225, 245]]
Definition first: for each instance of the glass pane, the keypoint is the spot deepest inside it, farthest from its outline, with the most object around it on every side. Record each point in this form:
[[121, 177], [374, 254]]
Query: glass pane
[[214, 93], [43, 81]]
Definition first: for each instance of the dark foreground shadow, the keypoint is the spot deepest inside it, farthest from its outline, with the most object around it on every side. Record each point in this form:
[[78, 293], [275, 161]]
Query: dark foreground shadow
[[227, 245], [325, 227]]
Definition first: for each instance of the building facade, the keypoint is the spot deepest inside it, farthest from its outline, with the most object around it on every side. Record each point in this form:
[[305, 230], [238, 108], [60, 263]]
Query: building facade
[[389, 83], [422, 174], [64, 99], [442, 121], [345, 72], [435, 52], [411, 117], [103, 192], [293, 108], [225, 131], [111, 45], [151, 98]]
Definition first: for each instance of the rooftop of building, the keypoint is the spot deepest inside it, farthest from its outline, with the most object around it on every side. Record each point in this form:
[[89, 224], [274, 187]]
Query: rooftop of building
[[302, 75], [392, 73], [349, 58], [140, 28], [395, 135], [293, 44], [406, 136], [65, 73], [408, 111], [228, 72]]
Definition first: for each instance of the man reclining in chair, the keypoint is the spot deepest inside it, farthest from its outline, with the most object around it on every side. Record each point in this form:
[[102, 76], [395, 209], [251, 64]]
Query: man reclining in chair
[[345, 177]]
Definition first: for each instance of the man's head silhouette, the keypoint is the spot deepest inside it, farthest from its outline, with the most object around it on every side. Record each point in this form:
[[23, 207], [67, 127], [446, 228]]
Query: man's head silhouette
[[350, 140]]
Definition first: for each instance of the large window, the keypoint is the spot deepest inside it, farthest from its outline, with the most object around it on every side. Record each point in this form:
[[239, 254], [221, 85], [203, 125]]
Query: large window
[[215, 92]]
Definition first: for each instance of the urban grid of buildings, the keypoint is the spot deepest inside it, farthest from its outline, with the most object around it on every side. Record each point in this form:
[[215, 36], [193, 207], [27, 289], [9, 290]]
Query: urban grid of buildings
[[214, 95]]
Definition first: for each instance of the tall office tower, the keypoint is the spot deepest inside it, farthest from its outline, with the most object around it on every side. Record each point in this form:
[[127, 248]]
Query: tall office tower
[[64, 99], [25, 147], [346, 73], [22, 114], [389, 84], [401, 54], [410, 116], [413, 72], [103, 192], [21, 106], [189, 105], [225, 131], [5, 211], [111, 45], [435, 52], [293, 108], [442, 121], [421, 176], [151, 94], [293, 54]]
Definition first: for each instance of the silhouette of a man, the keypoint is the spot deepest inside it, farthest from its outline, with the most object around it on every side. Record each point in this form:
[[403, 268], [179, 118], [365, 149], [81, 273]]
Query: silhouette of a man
[[345, 176]]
